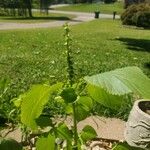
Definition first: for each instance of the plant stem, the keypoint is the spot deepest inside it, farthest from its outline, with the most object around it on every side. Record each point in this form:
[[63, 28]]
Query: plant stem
[[70, 71], [75, 127]]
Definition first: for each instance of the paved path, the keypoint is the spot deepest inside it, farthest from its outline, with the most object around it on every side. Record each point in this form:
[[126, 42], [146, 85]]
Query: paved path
[[107, 128], [80, 17]]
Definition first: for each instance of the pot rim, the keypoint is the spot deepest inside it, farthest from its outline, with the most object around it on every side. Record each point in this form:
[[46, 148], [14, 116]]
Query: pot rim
[[136, 104]]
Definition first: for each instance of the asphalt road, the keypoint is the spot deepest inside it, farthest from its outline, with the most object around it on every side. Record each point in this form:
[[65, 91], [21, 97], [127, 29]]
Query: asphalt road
[[80, 17]]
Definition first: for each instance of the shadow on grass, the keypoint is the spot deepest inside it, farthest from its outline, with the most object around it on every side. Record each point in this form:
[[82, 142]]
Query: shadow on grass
[[37, 18], [147, 65], [136, 44]]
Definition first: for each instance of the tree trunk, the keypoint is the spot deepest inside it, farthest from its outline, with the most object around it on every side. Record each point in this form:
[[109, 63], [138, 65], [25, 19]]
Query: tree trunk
[[29, 7]]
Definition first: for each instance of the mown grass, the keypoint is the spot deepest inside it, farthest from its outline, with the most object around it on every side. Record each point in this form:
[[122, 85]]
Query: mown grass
[[38, 55], [37, 18], [103, 8]]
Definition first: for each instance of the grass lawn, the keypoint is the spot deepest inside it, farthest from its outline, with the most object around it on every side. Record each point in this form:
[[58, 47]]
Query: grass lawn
[[37, 18], [103, 8], [38, 55]]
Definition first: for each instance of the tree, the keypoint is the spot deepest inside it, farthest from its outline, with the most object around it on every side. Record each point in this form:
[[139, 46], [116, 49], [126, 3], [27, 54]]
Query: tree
[[44, 4], [19, 7], [130, 2], [28, 4]]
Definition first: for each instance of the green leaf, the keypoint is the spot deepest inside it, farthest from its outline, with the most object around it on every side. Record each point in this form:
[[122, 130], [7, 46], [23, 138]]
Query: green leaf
[[86, 102], [17, 101], [81, 113], [3, 85], [104, 98], [33, 103], [88, 133], [83, 107], [9, 144], [44, 121], [122, 81], [64, 132], [69, 95], [46, 143], [68, 109], [124, 146]]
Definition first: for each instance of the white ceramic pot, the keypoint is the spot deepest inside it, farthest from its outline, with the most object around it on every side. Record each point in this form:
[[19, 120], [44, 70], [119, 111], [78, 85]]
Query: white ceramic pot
[[137, 131]]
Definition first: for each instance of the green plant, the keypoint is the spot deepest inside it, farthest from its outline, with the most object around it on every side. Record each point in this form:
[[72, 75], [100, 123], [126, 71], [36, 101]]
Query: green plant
[[28, 56], [7, 144], [142, 19], [3, 89], [110, 89], [137, 15], [69, 94]]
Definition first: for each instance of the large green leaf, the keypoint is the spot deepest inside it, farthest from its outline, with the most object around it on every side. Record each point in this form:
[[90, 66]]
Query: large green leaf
[[104, 98], [33, 103], [46, 143], [88, 133], [123, 81]]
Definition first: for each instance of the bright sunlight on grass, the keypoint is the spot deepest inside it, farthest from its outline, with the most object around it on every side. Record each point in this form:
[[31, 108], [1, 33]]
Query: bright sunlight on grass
[[37, 55], [103, 8]]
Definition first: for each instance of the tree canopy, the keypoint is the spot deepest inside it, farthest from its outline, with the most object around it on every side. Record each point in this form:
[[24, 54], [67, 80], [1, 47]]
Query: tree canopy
[[23, 7]]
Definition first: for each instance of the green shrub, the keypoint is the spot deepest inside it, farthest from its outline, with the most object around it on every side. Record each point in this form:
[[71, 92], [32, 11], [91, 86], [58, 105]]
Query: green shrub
[[138, 15], [142, 19]]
